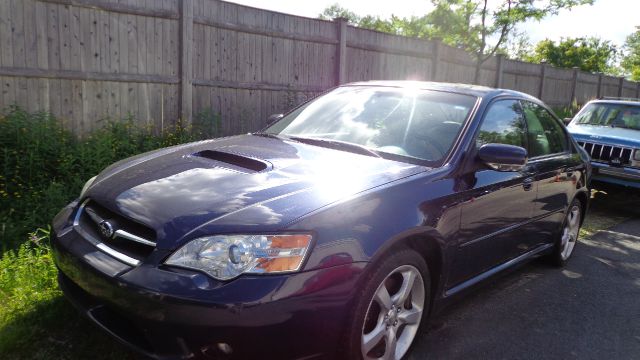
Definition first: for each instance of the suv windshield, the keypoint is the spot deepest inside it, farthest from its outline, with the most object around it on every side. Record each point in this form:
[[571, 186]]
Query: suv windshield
[[614, 115], [386, 121]]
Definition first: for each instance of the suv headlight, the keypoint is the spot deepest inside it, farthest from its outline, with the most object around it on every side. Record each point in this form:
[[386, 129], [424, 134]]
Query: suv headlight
[[225, 257], [636, 155], [87, 185]]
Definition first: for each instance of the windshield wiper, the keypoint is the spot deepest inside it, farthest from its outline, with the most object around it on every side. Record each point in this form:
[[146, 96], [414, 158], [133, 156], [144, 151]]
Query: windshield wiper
[[338, 145]]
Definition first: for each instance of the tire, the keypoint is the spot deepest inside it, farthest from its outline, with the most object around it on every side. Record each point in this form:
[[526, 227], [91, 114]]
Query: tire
[[394, 301], [568, 236]]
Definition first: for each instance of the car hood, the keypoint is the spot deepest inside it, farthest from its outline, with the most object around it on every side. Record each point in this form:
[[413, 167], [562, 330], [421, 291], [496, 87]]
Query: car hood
[[606, 135], [242, 183]]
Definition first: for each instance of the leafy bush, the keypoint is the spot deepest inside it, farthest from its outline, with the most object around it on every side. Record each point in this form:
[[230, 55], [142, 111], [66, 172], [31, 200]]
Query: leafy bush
[[43, 166]]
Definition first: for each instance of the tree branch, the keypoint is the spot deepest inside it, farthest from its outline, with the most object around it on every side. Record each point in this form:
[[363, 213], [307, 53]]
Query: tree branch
[[503, 35]]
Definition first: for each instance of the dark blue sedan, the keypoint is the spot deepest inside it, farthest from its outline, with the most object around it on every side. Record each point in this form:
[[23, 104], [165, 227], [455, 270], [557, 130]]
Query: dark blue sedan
[[334, 232]]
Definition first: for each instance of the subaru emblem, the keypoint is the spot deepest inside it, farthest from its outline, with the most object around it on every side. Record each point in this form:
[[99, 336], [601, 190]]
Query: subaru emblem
[[106, 229]]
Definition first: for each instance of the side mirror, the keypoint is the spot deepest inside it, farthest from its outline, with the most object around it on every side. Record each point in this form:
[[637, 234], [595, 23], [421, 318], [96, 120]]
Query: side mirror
[[503, 157], [273, 118], [566, 121]]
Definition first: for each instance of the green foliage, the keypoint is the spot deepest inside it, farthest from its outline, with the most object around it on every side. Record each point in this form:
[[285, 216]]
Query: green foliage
[[467, 24], [631, 58], [43, 166], [36, 322], [589, 54]]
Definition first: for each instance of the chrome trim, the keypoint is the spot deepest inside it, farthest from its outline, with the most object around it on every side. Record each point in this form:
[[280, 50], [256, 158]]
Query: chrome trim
[[76, 219], [618, 173], [95, 217], [626, 160], [97, 243], [118, 255], [126, 235]]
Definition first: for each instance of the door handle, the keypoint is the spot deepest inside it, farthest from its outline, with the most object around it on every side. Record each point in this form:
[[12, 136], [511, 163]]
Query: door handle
[[527, 184]]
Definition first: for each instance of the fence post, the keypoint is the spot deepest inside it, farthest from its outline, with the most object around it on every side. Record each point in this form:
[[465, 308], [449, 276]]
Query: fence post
[[435, 58], [599, 85], [500, 70], [543, 70], [620, 86], [574, 86], [186, 60], [341, 50]]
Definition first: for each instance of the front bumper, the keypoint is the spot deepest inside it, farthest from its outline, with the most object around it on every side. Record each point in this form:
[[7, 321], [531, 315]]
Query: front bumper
[[625, 176], [168, 313]]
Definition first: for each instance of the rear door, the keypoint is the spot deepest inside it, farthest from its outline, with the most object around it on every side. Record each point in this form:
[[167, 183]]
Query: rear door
[[496, 204]]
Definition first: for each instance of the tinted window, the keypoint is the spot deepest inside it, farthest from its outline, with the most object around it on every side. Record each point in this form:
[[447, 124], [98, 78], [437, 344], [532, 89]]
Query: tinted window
[[503, 124], [545, 134]]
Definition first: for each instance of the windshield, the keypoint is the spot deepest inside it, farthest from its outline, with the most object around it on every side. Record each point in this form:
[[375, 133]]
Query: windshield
[[614, 115], [412, 123]]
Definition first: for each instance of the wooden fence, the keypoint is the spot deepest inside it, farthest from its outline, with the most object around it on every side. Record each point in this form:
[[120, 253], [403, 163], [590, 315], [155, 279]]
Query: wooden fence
[[87, 61]]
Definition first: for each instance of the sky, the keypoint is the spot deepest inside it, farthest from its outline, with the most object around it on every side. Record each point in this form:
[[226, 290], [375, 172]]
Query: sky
[[608, 19]]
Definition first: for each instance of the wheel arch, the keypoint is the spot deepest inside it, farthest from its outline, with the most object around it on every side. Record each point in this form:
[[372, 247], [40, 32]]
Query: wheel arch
[[430, 245]]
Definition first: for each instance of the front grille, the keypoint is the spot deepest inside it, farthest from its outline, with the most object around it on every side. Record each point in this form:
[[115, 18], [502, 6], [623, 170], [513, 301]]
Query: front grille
[[126, 240], [606, 153]]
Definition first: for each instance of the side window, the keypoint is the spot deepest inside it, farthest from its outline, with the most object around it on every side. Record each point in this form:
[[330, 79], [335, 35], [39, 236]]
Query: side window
[[503, 124], [545, 134]]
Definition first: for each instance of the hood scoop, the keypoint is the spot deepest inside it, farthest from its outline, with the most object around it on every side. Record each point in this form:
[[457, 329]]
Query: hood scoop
[[236, 162]]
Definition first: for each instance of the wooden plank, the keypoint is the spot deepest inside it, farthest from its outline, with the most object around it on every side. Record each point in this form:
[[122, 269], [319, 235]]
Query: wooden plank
[[114, 46], [88, 75], [186, 63], [6, 38], [255, 85], [262, 31], [53, 38], [143, 45], [119, 8], [30, 34], [8, 92], [41, 35], [17, 24], [132, 42], [64, 36]]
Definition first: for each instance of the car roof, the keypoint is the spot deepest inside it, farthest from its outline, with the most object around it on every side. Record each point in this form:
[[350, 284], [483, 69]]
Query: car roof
[[467, 89], [614, 101]]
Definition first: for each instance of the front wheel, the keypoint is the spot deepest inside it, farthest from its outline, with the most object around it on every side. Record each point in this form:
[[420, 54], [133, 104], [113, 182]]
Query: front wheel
[[568, 235], [395, 299]]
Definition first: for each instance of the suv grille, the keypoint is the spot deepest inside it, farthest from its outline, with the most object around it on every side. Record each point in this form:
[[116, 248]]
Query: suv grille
[[605, 153], [114, 234]]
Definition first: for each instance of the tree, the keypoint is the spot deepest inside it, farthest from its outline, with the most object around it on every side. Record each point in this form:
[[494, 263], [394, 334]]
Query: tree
[[472, 23], [631, 55], [467, 24], [589, 54]]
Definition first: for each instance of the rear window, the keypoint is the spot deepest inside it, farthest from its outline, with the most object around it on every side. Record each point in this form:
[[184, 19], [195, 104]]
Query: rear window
[[614, 115]]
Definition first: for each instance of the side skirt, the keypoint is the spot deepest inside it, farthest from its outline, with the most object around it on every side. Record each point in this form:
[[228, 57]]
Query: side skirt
[[487, 274]]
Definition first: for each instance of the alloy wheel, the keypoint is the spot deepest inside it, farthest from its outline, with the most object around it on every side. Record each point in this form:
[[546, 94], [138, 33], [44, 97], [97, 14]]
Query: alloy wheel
[[394, 314], [570, 232]]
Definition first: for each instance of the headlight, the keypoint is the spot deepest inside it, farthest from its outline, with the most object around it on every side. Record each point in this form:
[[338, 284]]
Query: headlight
[[225, 257], [636, 155], [87, 185]]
